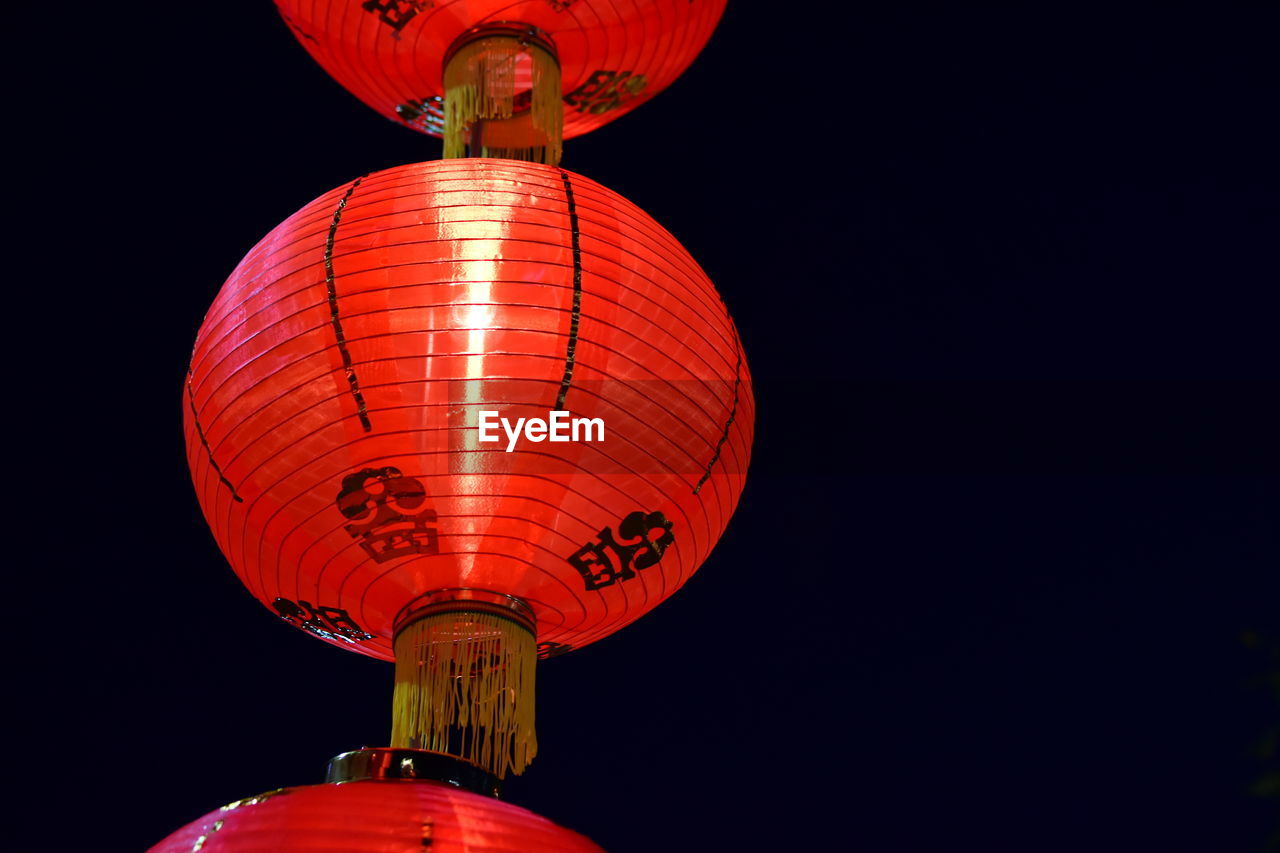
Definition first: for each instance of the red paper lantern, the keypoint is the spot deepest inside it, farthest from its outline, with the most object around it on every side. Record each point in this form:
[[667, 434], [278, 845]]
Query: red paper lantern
[[614, 54], [336, 386], [373, 817]]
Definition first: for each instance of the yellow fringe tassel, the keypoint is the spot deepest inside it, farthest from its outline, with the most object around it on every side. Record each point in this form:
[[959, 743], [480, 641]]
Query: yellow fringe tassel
[[465, 686], [480, 91]]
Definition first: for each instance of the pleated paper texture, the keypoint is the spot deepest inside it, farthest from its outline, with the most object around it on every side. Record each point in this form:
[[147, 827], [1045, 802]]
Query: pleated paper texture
[[373, 817], [337, 383]]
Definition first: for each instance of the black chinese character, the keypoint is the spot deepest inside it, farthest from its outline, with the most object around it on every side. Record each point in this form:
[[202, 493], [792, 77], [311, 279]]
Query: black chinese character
[[427, 113], [637, 551], [551, 650], [396, 13], [392, 512], [329, 623], [605, 90]]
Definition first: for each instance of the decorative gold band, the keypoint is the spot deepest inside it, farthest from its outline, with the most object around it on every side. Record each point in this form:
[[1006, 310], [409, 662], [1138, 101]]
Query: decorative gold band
[[525, 34], [465, 598], [387, 764]]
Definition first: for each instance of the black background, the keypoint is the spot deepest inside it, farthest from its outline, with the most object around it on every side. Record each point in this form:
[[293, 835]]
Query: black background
[[1006, 278]]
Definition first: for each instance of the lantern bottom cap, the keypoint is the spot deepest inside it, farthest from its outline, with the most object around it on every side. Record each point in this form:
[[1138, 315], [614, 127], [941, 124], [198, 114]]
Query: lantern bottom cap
[[464, 682], [466, 599]]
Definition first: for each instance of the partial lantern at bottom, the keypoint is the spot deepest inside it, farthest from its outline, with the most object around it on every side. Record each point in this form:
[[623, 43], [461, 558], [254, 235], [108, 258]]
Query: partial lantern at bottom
[[380, 800]]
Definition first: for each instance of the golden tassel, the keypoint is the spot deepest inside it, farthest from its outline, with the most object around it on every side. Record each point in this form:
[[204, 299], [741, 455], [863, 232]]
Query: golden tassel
[[482, 84], [465, 686]]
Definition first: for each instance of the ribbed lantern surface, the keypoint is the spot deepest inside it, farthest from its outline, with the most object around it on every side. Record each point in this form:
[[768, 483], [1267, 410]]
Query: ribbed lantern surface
[[373, 817], [614, 54], [337, 383]]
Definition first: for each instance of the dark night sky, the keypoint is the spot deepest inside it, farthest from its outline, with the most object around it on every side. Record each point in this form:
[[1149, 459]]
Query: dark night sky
[[1006, 278]]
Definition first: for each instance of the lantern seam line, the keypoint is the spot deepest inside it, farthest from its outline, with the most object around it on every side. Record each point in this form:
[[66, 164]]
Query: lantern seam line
[[332, 292], [733, 413], [576, 243], [195, 419]]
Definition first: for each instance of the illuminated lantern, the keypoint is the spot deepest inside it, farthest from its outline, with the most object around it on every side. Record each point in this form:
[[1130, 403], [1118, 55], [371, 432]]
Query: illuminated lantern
[[334, 407], [512, 73], [387, 800]]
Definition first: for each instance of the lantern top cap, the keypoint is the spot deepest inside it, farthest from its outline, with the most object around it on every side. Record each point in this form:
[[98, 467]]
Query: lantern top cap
[[385, 764]]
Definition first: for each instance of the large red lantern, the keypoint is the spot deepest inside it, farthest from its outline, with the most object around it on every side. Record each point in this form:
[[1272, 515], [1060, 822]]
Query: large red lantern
[[384, 809], [333, 420], [599, 58]]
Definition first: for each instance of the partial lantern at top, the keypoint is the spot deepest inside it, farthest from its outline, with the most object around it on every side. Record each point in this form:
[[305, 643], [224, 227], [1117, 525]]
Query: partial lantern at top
[[522, 75]]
